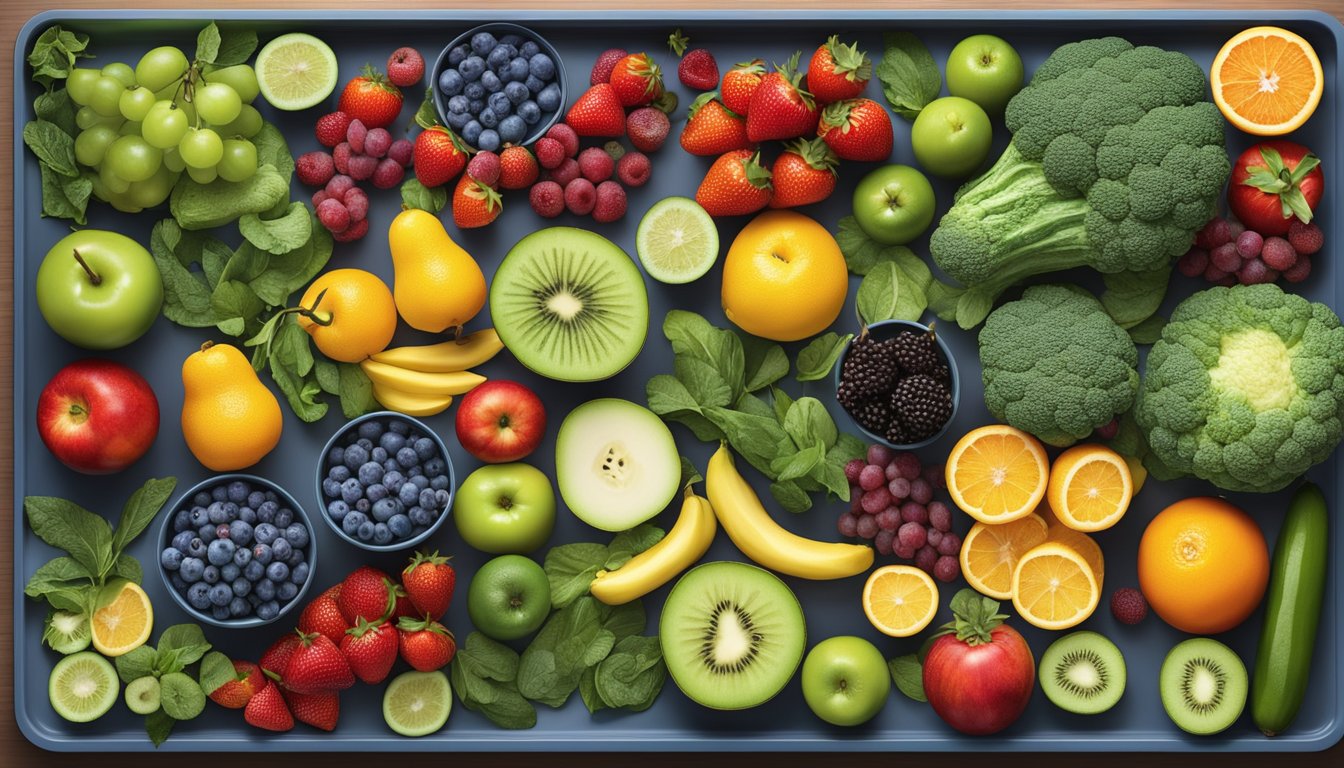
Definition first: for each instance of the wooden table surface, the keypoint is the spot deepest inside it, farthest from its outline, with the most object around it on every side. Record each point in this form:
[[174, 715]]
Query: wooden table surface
[[17, 752]]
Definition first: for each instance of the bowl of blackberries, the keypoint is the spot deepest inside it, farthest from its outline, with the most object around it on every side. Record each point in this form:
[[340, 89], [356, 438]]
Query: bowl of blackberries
[[237, 551], [385, 482], [898, 382], [499, 84]]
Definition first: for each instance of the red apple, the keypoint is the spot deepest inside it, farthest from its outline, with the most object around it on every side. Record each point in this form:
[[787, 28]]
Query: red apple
[[500, 421], [979, 676], [97, 416]]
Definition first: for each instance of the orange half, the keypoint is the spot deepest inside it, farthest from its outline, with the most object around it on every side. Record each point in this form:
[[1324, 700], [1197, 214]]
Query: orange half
[[989, 553], [1090, 487], [1054, 588], [1267, 81], [997, 474], [900, 600]]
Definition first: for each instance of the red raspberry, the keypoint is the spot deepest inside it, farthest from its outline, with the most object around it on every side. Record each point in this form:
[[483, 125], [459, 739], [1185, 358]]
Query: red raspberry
[[356, 231], [405, 67], [580, 197], [547, 198], [402, 150], [484, 167], [567, 171], [318, 197], [377, 142], [550, 152], [1306, 239], [648, 128], [341, 157], [362, 167], [633, 169], [331, 128], [315, 169], [357, 203], [562, 133], [1129, 606], [388, 174], [595, 164], [339, 185], [606, 62], [333, 216], [610, 202], [356, 134]]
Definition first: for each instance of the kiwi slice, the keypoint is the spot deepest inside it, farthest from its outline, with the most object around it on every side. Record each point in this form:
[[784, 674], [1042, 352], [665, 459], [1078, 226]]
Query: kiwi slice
[[1203, 685], [570, 305], [732, 635], [83, 687], [143, 695], [66, 632], [1083, 672]]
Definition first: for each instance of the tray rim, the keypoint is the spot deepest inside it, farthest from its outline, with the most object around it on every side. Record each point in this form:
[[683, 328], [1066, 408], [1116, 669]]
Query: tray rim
[[632, 740]]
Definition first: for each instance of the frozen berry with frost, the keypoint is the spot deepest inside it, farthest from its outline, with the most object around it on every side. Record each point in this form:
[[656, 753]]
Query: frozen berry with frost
[[925, 558], [920, 491], [339, 185], [362, 167], [1213, 274], [889, 519], [912, 512], [605, 64], [565, 172], [1300, 271], [357, 203], [484, 167], [550, 152], [1226, 257], [940, 516], [633, 169], [876, 500], [1278, 254], [1129, 606], [402, 150], [610, 203], [377, 142], [596, 165], [340, 157], [331, 128], [853, 468], [912, 535], [355, 135], [871, 477], [647, 128], [1306, 239], [405, 67], [333, 216], [315, 169], [950, 544], [883, 542], [318, 197], [388, 174], [899, 486], [568, 139], [354, 232], [1249, 244], [547, 199], [580, 196], [946, 568]]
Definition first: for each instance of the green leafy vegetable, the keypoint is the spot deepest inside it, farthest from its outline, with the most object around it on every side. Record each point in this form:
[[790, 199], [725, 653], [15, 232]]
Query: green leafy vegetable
[[570, 568], [908, 74], [633, 675], [281, 235], [416, 195], [206, 206], [908, 675], [818, 357], [54, 54], [1132, 297], [484, 675], [225, 47]]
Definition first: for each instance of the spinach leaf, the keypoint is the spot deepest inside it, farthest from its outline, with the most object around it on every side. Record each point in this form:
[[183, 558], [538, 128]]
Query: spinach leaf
[[908, 675], [206, 206], [909, 75], [570, 569], [65, 197], [627, 544], [764, 363], [356, 391], [216, 671], [187, 640], [791, 496], [140, 510], [550, 668], [633, 675], [808, 423], [66, 525], [417, 195], [817, 359], [281, 235], [159, 726]]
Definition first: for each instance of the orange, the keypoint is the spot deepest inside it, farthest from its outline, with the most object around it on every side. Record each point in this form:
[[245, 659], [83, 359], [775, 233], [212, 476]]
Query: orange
[[1203, 565], [1090, 487], [989, 553], [900, 600], [784, 277], [1267, 81], [123, 619], [997, 474], [355, 317], [1083, 544], [1054, 587]]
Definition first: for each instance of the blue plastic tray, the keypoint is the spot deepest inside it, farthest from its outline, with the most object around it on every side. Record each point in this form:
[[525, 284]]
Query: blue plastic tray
[[674, 723]]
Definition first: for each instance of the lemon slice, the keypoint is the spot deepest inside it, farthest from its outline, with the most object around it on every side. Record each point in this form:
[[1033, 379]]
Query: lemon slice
[[900, 600], [677, 240], [296, 71]]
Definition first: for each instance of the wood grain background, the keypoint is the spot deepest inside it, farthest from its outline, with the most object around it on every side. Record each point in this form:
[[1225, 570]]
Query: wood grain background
[[17, 752]]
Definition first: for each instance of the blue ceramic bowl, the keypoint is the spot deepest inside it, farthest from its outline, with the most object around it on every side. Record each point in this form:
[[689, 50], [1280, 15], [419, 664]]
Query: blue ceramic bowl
[[499, 29], [184, 502], [889, 329], [341, 437]]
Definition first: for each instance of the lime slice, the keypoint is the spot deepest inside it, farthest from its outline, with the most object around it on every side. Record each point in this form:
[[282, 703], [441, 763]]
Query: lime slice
[[677, 240], [417, 703], [82, 687], [296, 71]]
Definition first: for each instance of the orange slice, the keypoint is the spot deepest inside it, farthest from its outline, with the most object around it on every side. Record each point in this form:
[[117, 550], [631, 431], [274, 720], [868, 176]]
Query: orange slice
[[989, 553], [997, 474], [1076, 540], [1267, 81], [1090, 487], [123, 619], [900, 600], [1053, 587]]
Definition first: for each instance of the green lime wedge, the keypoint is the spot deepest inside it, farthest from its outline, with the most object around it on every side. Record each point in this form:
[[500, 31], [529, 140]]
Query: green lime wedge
[[83, 686], [677, 240], [417, 703], [296, 71]]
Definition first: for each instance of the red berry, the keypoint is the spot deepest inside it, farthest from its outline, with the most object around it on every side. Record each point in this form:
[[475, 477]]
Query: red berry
[[950, 544], [852, 469], [940, 516], [933, 536], [606, 62], [319, 196], [517, 168], [925, 558], [550, 152], [333, 216], [567, 138], [357, 203], [1278, 254], [1217, 232], [876, 500], [331, 128], [946, 568], [580, 196], [1213, 274], [871, 477], [356, 134], [879, 455], [377, 142], [315, 169], [1300, 270], [388, 174], [356, 231], [596, 165], [898, 486], [339, 185], [889, 519], [405, 67], [484, 167], [1226, 257], [1107, 431], [1249, 244], [1256, 271], [905, 553], [402, 150], [647, 128], [867, 527], [912, 535], [1129, 606], [883, 542], [565, 172], [698, 70], [1193, 263], [920, 491], [848, 524], [909, 465], [362, 167], [340, 157], [913, 512], [610, 203], [1234, 229], [633, 169], [1306, 239], [547, 198]]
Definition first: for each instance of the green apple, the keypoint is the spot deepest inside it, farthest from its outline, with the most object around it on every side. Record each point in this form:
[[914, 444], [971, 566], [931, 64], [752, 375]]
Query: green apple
[[505, 508], [509, 597], [986, 70], [951, 137], [99, 289], [845, 680], [894, 204]]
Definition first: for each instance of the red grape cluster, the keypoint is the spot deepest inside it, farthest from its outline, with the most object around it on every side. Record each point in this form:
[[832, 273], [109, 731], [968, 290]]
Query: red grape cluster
[[892, 505], [1226, 252]]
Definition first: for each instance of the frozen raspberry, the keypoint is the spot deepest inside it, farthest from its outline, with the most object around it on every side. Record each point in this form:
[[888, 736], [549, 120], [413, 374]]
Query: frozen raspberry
[[565, 172], [1256, 271], [388, 174], [606, 62], [610, 203], [615, 149], [339, 185], [315, 169], [357, 203], [547, 198], [340, 157], [333, 216], [362, 167], [355, 135], [1306, 239], [377, 142], [648, 128], [405, 67], [331, 128], [318, 197], [550, 152], [1193, 263], [1300, 270], [596, 165], [567, 138], [356, 231], [1226, 257], [1129, 606], [1278, 254], [580, 197], [946, 568], [633, 169], [402, 151], [484, 167]]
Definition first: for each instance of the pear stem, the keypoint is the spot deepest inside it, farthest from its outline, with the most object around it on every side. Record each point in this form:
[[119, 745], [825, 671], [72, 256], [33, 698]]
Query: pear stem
[[94, 277]]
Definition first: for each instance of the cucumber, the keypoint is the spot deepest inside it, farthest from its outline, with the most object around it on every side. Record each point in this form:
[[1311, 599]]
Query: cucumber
[[1296, 586]]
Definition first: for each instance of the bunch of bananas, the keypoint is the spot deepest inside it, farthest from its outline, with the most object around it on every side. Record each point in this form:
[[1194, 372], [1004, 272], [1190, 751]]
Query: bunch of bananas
[[422, 380]]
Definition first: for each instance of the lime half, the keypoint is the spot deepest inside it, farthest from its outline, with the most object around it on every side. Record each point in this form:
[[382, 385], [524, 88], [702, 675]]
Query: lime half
[[677, 240], [296, 71], [417, 703], [83, 686]]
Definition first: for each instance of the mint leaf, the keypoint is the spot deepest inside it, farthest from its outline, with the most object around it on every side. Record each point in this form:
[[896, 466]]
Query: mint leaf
[[809, 423], [908, 675], [273, 150], [159, 725], [633, 675], [764, 363], [286, 273], [910, 77], [187, 639], [571, 568], [186, 294], [689, 474], [127, 567], [790, 496], [627, 544], [140, 510], [65, 197], [280, 235], [623, 620], [588, 691], [216, 670], [52, 146], [207, 44], [86, 537], [54, 54], [818, 358], [206, 206], [136, 664], [235, 45], [417, 195], [356, 391], [793, 466], [703, 382], [56, 574], [550, 668], [758, 439], [879, 294]]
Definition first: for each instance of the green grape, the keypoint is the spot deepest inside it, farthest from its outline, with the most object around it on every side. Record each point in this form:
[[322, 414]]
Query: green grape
[[154, 190], [161, 67], [120, 72], [201, 148], [239, 161], [218, 104], [246, 125], [123, 203], [114, 184], [100, 190], [133, 159], [202, 175], [129, 128], [106, 96], [79, 84], [240, 77], [188, 108], [172, 160], [135, 103], [91, 144], [165, 125], [87, 118]]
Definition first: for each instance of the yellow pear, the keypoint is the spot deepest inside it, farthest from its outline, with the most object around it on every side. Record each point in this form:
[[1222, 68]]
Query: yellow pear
[[229, 418], [436, 284]]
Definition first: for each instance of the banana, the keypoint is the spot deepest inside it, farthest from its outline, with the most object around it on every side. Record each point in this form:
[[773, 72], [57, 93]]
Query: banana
[[760, 538], [419, 382], [445, 357], [687, 542], [411, 405]]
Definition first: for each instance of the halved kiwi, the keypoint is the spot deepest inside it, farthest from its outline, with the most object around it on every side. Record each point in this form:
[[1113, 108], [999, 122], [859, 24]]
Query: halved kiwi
[[732, 635], [83, 687], [570, 305], [66, 632], [1203, 685], [1083, 672], [143, 695]]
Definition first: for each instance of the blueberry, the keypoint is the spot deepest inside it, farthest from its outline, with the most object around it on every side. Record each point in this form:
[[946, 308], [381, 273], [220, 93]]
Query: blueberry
[[489, 140], [512, 129], [262, 553], [281, 549], [549, 98], [208, 532], [376, 492], [364, 505], [415, 470], [265, 533], [355, 455], [541, 66], [238, 491], [197, 547], [295, 558], [441, 497], [210, 575], [451, 82], [242, 556], [182, 541], [439, 482], [352, 522], [458, 105], [477, 106], [456, 120], [201, 499], [268, 610], [382, 534], [287, 591], [369, 473], [248, 515], [273, 496], [420, 516], [435, 465], [177, 582], [266, 512], [277, 571], [471, 68], [535, 85], [488, 119], [351, 491], [336, 455], [299, 573], [238, 608], [474, 92], [384, 510], [220, 551], [241, 587], [471, 133], [419, 529], [219, 493], [200, 516], [337, 510], [500, 104], [482, 42], [240, 533], [428, 499], [393, 480], [528, 49], [378, 455], [181, 520], [400, 525], [222, 531], [264, 589], [458, 53], [409, 494], [420, 481], [365, 531], [391, 464], [369, 429], [511, 39], [220, 594], [516, 93], [331, 489], [171, 559], [407, 457], [220, 612], [283, 518], [255, 498], [254, 571], [491, 82], [230, 572], [297, 535], [499, 57], [198, 596]]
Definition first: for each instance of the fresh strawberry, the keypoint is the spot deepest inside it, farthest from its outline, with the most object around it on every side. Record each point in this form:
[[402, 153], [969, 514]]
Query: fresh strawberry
[[475, 204], [405, 67], [276, 658], [838, 71], [517, 168], [697, 69], [366, 593], [857, 129], [637, 80], [803, 174], [736, 184], [323, 616], [739, 83], [401, 605], [237, 692], [267, 710], [371, 650], [317, 665], [320, 710], [780, 108], [371, 99], [425, 644], [331, 128], [429, 581], [334, 591], [711, 129], [598, 112], [606, 62], [438, 156]]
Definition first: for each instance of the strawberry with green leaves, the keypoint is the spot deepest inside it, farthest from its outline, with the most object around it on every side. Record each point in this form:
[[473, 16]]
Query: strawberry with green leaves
[[429, 581], [371, 649], [323, 615], [803, 174], [366, 593], [838, 71], [371, 99], [857, 129], [276, 658], [739, 83], [781, 108], [636, 80], [712, 129], [735, 185], [438, 156], [248, 679], [475, 204], [425, 644], [317, 665], [597, 112]]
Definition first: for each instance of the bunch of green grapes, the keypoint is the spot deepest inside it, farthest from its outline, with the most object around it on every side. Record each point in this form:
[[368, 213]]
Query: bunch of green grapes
[[141, 128]]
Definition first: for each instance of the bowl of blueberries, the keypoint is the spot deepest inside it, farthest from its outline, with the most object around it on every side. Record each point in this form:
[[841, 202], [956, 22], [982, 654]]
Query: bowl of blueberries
[[385, 482], [237, 551], [499, 84]]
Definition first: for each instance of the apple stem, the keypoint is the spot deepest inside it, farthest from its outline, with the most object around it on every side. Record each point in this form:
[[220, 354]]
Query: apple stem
[[93, 276]]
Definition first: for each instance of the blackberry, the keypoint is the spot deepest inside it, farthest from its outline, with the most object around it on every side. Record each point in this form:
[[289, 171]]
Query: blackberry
[[922, 404], [916, 353], [897, 432], [873, 415], [869, 370]]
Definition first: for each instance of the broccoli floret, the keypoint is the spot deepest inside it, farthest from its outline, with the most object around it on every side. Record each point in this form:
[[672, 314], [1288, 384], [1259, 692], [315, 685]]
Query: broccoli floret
[[1245, 388], [1054, 364], [1117, 159]]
